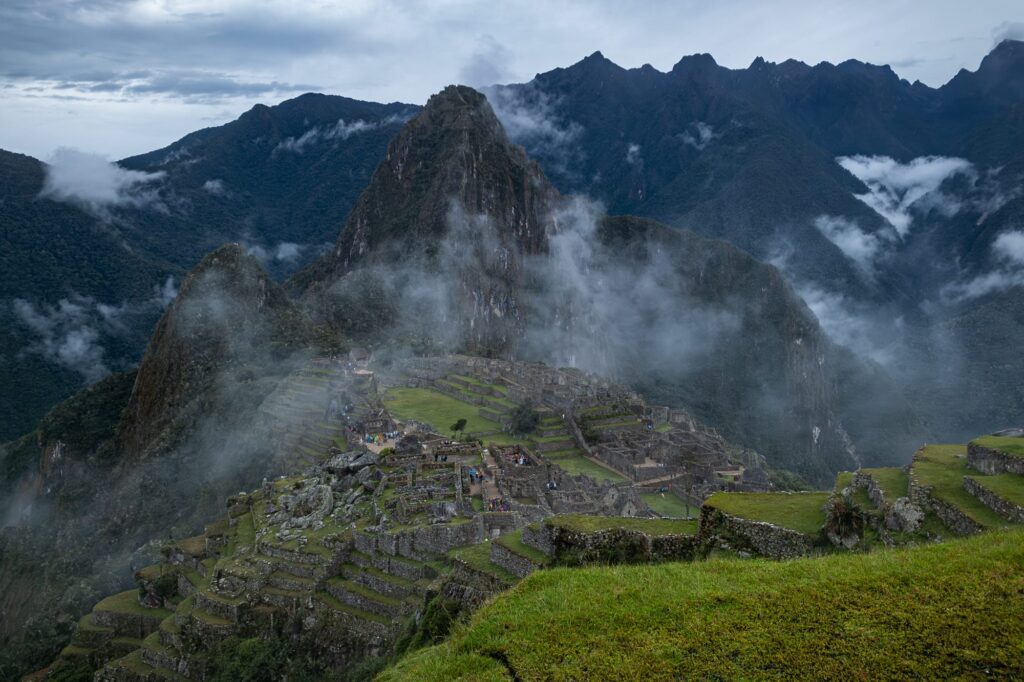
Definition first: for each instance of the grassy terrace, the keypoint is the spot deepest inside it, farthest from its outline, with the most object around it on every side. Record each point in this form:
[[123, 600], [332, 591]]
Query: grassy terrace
[[591, 524], [1011, 446], [478, 556], [801, 512], [1010, 487], [892, 480], [441, 411], [514, 542], [734, 619], [575, 462], [128, 602], [667, 504], [943, 467]]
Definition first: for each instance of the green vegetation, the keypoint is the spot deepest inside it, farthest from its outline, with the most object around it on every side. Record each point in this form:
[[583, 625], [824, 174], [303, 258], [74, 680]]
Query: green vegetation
[[478, 556], [943, 467], [801, 512], [1011, 446], [591, 524], [128, 602], [436, 409], [575, 462], [514, 542], [667, 504], [1010, 487], [893, 481], [524, 420], [884, 615]]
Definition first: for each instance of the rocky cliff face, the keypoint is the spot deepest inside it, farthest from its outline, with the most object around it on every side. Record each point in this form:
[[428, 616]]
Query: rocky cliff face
[[228, 316], [456, 208]]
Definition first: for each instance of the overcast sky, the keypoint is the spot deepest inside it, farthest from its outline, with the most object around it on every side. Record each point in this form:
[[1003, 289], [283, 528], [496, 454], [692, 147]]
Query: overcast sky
[[122, 77]]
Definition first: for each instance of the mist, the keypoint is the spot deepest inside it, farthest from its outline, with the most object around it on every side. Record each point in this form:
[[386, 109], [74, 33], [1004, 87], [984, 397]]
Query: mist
[[94, 183]]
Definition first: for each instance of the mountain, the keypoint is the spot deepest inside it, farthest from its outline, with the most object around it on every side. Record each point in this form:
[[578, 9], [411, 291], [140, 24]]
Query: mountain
[[145, 454], [879, 199], [460, 242], [93, 269], [76, 300]]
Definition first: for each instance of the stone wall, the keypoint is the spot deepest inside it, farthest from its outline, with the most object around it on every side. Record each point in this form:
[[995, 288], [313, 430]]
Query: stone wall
[[570, 547], [1006, 509], [989, 461], [758, 537], [955, 520], [471, 587], [513, 563]]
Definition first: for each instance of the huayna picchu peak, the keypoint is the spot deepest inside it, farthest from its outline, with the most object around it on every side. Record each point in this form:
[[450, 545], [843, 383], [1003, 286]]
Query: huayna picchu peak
[[654, 366]]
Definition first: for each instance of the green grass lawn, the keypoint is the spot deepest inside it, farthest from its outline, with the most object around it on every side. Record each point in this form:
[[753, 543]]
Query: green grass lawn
[[574, 462], [128, 602], [591, 524], [514, 542], [801, 512], [667, 504], [893, 481], [1010, 487], [479, 557], [1011, 446], [942, 611], [437, 409], [943, 467]]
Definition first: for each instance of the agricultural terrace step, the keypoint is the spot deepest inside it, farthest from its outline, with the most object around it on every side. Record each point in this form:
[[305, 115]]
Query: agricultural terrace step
[[334, 603], [133, 668], [381, 582], [218, 605], [282, 598], [287, 581], [156, 654], [361, 597]]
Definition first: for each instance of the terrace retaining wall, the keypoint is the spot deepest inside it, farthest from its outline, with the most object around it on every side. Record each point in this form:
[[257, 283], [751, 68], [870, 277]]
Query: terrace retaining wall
[[989, 461], [1006, 509], [760, 537]]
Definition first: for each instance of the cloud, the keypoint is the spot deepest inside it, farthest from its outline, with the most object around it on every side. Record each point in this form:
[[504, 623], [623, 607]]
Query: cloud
[[286, 252], [341, 130], [66, 335], [91, 181], [489, 64], [1010, 246], [700, 136], [1008, 249], [215, 186], [1008, 30], [530, 119], [633, 157], [863, 248], [894, 188], [72, 332]]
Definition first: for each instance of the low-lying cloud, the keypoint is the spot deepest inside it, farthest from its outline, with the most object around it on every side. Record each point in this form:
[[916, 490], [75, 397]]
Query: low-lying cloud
[[342, 130], [530, 119], [1008, 252], [862, 247], [699, 135], [93, 182], [286, 252], [894, 188], [71, 333]]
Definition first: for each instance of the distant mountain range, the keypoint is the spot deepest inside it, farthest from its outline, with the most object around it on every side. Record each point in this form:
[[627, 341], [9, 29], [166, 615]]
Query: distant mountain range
[[882, 202]]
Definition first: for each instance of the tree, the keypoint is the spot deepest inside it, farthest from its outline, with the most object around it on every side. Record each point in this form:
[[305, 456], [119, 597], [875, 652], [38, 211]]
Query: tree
[[524, 420], [458, 427]]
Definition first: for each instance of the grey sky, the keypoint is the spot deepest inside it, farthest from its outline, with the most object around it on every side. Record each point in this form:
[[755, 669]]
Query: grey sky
[[122, 77]]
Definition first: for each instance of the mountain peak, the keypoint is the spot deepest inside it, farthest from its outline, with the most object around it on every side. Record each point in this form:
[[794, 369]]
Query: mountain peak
[[227, 313], [694, 63]]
